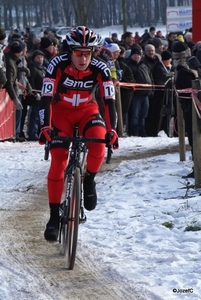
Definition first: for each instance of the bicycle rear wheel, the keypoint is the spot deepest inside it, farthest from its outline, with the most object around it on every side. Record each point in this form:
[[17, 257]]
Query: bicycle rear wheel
[[71, 226]]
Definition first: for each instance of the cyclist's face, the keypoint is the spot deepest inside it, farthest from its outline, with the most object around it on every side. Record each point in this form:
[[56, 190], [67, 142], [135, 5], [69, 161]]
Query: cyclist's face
[[81, 58]]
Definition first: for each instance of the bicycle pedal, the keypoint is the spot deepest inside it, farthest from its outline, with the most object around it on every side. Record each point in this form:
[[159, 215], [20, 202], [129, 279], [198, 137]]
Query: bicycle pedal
[[82, 219]]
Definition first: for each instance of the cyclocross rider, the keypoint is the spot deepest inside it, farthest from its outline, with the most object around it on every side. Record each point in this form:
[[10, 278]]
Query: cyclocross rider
[[68, 98]]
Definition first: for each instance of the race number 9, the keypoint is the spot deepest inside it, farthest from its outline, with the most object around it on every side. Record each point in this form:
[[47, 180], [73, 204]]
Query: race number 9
[[109, 90], [47, 88]]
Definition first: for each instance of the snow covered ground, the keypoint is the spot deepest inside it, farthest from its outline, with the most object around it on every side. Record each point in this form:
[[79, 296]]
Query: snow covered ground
[[146, 225], [140, 226]]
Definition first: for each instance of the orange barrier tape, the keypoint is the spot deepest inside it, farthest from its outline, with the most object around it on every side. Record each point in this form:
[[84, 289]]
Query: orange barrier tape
[[188, 91], [129, 84]]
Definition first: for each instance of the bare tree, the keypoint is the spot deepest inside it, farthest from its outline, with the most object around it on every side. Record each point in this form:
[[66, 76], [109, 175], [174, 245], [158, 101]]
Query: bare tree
[[82, 9], [94, 13], [124, 12]]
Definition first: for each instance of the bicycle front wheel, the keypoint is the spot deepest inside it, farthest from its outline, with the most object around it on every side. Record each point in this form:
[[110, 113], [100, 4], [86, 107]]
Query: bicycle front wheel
[[73, 220]]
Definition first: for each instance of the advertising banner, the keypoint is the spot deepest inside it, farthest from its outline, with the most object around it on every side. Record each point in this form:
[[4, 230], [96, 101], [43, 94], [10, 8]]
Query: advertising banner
[[179, 18]]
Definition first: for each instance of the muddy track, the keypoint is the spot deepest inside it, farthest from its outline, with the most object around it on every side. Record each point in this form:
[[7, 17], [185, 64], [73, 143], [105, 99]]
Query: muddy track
[[116, 160], [35, 269]]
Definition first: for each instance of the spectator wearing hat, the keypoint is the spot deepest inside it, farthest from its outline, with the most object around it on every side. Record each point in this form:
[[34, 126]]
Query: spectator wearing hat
[[139, 106], [180, 51], [47, 47], [2, 63], [184, 76], [12, 55], [107, 56], [16, 36], [45, 33], [180, 38], [126, 76], [31, 36], [37, 70], [162, 100], [36, 46], [151, 34], [23, 74], [107, 53], [114, 38]]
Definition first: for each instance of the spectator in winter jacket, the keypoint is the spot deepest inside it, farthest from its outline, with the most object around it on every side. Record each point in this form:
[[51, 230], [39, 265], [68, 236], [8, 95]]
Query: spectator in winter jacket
[[106, 55], [189, 40], [114, 38], [150, 59], [147, 36], [36, 46], [157, 42], [137, 37], [172, 37], [47, 47], [37, 71], [23, 74], [186, 71], [127, 40], [126, 75], [139, 106], [162, 101], [12, 57]]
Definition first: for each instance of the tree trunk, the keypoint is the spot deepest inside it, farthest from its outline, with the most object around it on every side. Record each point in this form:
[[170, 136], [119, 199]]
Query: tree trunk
[[124, 11]]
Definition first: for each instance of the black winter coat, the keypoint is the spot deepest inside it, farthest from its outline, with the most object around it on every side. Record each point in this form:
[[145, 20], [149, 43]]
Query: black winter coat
[[184, 79], [161, 74], [142, 74], [47, 57], [127, 76], [11, 87], [36, 79]]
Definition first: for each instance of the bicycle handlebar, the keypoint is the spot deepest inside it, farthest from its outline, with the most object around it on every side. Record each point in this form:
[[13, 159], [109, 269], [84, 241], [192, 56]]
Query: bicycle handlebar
[[80, 139]]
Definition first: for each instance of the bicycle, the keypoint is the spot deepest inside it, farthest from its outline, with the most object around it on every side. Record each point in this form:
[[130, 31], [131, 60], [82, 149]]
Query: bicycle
[[71, 211]]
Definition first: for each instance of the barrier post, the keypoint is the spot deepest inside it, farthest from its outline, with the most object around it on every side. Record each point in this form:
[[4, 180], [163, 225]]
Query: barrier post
[[120, 127], [196, 139], [181, 131]]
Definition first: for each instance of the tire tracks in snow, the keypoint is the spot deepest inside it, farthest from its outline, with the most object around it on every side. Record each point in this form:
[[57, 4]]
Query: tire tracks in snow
[[32, 269]]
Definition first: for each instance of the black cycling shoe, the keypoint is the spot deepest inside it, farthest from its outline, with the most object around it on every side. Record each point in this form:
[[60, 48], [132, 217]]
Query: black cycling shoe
[[52, 227], [52, 231], [90, 196]]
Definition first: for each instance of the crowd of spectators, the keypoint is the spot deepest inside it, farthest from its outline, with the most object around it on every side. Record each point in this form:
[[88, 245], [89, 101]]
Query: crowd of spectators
[[150, 59], [170, 62], [155, 59], [23, 62]]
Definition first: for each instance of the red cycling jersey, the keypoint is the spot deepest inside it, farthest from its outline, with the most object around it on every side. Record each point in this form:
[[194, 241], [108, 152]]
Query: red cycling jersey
[[74, 89]]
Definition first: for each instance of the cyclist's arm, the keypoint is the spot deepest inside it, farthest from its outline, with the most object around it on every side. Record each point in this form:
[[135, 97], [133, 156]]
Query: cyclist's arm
[[49, 88], [107, 91]]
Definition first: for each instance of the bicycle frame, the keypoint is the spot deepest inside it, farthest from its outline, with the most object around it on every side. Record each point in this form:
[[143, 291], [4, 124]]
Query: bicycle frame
[[72, 208]]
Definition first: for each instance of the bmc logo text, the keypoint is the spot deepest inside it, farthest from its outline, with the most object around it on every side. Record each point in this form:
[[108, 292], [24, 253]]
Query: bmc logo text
[[78, 84], [55, 61]]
